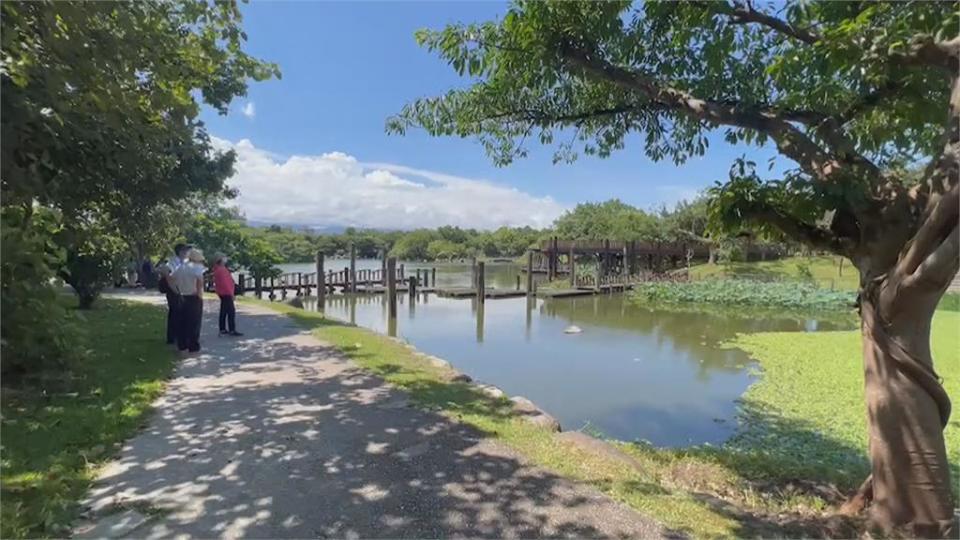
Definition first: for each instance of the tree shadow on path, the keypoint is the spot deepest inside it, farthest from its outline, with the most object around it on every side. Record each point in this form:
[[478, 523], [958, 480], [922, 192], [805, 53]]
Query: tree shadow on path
[[275, 435]]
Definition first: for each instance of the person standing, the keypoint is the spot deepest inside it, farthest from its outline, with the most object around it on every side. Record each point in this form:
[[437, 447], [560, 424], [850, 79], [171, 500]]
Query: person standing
[[225, 286], [167, 287], [188, 281]]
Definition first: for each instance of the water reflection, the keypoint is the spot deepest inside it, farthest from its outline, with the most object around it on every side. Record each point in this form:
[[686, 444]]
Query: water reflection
[[633, 373]]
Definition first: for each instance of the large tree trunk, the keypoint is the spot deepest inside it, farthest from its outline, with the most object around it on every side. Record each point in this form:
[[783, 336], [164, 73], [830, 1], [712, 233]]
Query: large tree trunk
[[907, 409]]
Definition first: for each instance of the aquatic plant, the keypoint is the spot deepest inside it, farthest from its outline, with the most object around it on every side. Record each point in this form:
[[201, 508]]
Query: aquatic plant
[[786, 294]]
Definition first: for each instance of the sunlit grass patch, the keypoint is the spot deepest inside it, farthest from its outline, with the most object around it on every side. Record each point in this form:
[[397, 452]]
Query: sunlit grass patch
[[54, 439]]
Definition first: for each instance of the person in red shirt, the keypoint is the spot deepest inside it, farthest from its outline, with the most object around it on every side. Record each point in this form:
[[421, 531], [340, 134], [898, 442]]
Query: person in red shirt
[[225, 287]]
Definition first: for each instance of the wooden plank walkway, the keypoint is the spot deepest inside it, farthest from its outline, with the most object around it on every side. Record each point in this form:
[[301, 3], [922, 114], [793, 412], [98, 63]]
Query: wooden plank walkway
[[470, 292]]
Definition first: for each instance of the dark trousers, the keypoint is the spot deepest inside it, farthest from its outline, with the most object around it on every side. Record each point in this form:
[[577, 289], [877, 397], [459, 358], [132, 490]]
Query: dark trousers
[[173, 317], [191, 314], [228, 314]]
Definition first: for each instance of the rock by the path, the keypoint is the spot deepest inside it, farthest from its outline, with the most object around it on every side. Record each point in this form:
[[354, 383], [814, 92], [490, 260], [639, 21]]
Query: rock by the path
[[438, 362], [529, 412], [490, 390], [572, 329], [461, 378], [117, 525]]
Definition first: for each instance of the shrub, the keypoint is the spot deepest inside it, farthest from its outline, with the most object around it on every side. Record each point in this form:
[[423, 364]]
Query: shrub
[[786, 294], [36, 331]]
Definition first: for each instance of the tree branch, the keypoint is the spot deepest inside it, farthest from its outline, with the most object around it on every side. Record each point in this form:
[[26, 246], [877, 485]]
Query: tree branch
[[745, 14], [933, 232], [790, 141], [924, 51], [801, 231]]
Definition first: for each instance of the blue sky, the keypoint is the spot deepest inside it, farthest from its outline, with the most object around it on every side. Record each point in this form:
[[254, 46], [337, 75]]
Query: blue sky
[[346, 67]]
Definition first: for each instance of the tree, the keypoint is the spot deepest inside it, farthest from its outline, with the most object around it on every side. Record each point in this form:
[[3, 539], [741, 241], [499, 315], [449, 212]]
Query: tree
[[611, 219], [100, 104], [95, 253], [849, 91]]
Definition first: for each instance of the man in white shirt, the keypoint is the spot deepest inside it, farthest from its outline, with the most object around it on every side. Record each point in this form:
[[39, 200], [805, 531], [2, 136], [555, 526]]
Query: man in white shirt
[[173, 295]]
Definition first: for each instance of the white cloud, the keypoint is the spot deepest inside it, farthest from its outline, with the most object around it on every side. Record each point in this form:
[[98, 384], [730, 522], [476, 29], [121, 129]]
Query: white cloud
[[337, 189], [249, 110]]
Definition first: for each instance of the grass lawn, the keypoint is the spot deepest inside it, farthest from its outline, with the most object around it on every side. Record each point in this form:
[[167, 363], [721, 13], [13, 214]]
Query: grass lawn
[[824, 270], [52, 443], [807, 423]]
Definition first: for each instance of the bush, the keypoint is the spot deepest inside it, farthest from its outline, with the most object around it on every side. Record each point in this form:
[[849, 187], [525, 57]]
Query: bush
[[785, 294], [95, 256], [36, 332]]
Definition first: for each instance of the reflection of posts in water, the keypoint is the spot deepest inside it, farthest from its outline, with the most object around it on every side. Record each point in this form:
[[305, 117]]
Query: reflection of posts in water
[[392, 286], [392, 326], [412, 309], [480, 322], [529, 272], [481, 284], [530, 303]]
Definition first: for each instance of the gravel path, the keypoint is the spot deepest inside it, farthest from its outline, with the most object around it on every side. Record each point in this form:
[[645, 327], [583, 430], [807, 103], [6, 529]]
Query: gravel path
[[277, 435]]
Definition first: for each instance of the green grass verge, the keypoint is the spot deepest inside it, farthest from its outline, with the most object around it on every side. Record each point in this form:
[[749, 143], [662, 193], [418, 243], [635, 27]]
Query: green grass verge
[[53, 442], [805, 422]]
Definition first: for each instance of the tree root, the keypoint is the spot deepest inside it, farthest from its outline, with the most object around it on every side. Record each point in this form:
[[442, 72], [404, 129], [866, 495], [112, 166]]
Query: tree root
[[860, 500]]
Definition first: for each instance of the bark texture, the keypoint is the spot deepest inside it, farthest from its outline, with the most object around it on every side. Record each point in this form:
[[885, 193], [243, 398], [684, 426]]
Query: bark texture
[[907, 409]]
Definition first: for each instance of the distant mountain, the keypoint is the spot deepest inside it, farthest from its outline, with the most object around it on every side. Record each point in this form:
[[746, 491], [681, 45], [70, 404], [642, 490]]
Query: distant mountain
[[326, 229]]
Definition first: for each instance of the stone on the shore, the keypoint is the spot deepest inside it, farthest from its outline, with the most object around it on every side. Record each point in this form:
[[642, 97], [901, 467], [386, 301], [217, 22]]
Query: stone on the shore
[[438, 362], [461, 377], [529, 412], [490, 390]]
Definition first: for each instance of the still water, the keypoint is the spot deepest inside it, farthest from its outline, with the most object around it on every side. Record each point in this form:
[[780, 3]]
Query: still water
[[633, 373]]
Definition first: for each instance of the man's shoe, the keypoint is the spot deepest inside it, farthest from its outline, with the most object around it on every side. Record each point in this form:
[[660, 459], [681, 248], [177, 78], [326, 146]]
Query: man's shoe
[[236, 334]]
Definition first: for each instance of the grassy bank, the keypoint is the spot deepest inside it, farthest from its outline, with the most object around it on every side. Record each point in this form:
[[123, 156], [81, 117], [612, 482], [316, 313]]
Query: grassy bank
[[53, 441], [777, 478], [825, 271]]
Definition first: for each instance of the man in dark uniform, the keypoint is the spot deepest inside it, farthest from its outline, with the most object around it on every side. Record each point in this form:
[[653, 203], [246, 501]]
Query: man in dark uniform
[[173, 297]]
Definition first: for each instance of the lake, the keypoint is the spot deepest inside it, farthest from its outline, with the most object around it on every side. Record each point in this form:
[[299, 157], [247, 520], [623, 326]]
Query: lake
[[633, 373]]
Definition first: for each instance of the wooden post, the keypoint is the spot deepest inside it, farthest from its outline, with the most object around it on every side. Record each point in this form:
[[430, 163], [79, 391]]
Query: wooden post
[[624, 271], [353, 268], [433, 277], [518, 282], [392, 286], [242, 289], [383, 269], [401, 271], [529, 272], [573, 268], [271, 296], [346, 279], [605, 266], [321, 282], [412, 288], [299, 283], [481, 283]]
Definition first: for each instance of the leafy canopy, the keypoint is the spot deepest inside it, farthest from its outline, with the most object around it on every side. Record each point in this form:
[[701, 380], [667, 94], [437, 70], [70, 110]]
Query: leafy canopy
[[847, 90]]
